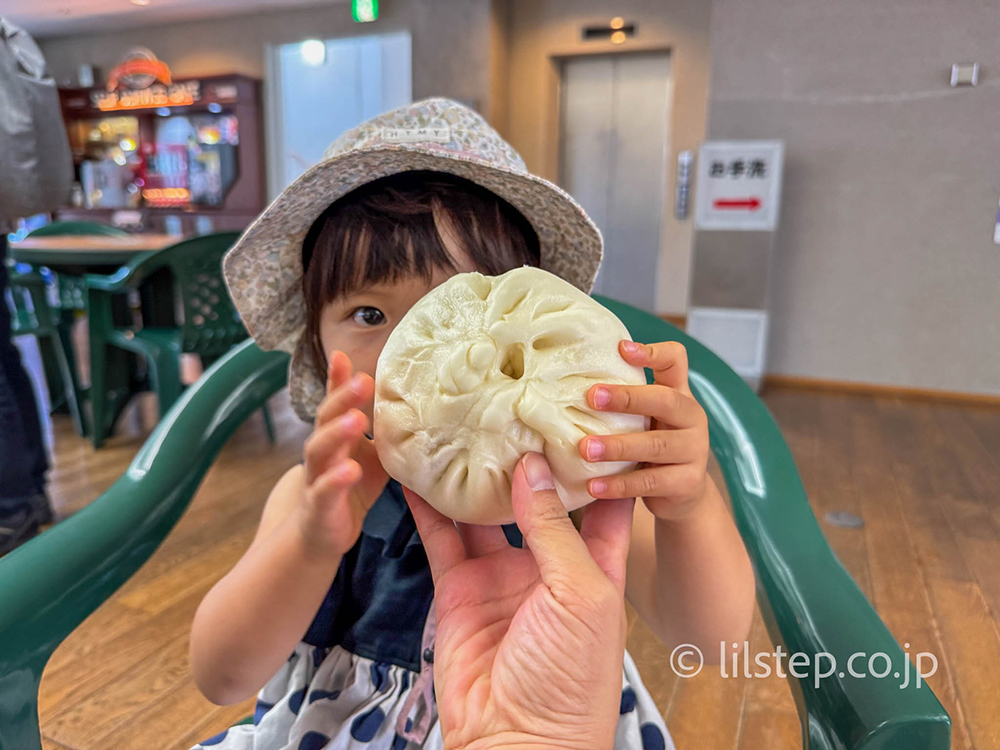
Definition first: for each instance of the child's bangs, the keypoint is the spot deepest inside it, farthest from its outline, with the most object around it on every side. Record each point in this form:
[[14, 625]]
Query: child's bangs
[[361, 247], [391, 229]]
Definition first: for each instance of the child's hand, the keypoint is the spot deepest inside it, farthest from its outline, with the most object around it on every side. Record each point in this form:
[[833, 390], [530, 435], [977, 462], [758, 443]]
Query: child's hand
[[343, 477], [673, 453]]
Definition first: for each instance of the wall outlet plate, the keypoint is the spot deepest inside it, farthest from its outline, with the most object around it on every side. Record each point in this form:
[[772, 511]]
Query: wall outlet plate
[[965, 74]]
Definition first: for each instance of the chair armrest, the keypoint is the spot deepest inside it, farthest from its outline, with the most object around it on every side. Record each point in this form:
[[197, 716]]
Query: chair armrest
[[128, 276], [31, 279], [810, 603], [34, 284], [51, 584]]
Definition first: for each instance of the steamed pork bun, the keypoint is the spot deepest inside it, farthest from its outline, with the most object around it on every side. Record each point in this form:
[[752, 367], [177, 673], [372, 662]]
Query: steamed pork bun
[[487, 368]]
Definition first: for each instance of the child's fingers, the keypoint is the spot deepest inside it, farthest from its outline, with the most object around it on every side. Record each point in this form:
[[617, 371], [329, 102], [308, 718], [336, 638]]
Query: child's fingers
[[670, 406], [338, 370], [667, 359], [356, 390], [334, 483], [682, 480], [332, 442], [652, 446], [439, 535]]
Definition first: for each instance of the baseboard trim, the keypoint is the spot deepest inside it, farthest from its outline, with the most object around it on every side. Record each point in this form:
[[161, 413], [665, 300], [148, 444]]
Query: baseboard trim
[[876, 389], [680, 321]]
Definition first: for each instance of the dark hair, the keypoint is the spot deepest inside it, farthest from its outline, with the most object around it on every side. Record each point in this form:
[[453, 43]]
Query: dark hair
[[389, 229]]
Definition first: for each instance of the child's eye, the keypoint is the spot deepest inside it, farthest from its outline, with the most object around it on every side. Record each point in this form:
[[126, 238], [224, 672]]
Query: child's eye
[[368, 316]]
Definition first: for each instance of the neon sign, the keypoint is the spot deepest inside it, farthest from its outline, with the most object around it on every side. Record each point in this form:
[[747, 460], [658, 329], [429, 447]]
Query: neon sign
[[175, 95], [139, 70]]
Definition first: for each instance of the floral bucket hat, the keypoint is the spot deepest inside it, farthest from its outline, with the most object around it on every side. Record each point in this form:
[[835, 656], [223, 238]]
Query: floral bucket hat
[[264, 269]]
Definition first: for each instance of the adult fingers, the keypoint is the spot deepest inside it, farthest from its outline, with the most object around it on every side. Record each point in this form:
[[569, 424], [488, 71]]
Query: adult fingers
[[606, 529], [560, 552], [440, 537], [482, 540]]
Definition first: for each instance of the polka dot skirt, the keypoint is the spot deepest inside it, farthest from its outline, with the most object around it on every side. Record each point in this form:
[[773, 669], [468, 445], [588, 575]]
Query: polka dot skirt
[[331, 699]]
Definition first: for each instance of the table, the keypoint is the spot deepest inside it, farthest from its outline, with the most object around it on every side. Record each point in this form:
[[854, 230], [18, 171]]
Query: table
[[75, 255], [78, 254]]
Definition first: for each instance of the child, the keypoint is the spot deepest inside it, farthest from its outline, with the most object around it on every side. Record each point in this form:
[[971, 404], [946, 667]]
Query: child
[[336, 575]]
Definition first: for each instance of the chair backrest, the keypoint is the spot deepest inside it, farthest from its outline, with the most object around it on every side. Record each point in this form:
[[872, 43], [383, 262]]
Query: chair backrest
[[811, 605], [72, 292], [78, 227], [208, 321], [49, 585]]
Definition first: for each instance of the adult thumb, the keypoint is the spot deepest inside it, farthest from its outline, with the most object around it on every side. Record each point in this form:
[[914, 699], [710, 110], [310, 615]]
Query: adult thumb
[[558, 549]]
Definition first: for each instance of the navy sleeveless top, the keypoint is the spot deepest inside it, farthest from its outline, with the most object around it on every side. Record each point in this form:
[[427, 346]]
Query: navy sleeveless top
[[382, 592]]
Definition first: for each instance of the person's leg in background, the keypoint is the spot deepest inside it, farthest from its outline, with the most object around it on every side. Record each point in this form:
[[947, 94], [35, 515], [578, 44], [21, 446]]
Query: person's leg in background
[[23, 463]]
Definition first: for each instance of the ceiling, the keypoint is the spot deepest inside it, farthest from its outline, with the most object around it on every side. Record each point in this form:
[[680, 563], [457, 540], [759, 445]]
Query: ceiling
[[47, 18]]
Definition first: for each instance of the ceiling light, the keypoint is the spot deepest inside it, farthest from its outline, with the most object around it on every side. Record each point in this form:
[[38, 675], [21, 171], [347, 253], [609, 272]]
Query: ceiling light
[[617, 22], [618, 37], [141, 3], [313, 52]]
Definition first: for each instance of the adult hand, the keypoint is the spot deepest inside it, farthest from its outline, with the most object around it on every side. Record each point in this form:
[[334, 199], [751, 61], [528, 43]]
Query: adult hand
[[530, 642]]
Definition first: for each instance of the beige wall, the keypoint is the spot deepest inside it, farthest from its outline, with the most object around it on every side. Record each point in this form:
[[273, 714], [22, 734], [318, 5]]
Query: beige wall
[[885, 270], [498, 54], [450, 43], [541, 31]]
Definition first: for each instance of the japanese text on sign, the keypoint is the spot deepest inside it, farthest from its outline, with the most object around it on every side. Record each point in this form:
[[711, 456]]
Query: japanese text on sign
[[739, 168], [739, 185]]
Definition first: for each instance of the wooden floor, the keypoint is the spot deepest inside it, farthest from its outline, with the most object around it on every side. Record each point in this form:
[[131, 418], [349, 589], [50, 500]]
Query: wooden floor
[[925, 477]]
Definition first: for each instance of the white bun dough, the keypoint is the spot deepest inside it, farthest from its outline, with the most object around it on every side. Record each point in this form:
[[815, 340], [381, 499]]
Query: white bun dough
[[484, 369]]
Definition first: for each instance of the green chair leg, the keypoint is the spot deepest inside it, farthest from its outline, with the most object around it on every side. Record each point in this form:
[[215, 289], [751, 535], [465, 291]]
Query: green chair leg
[[52, 372], [47, 348], [98, 391], [60, 377], [98, 325], [64, 358], [71, 380], [268, 423]]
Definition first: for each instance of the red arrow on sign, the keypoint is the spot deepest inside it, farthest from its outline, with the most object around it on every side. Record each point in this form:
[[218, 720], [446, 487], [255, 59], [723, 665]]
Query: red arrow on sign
[[751, 204]]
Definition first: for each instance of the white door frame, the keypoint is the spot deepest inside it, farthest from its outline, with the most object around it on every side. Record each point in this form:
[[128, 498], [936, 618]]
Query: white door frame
[[273, 125]]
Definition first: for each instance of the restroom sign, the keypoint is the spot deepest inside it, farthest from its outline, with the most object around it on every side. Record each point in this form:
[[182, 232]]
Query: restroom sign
[[739, 185]]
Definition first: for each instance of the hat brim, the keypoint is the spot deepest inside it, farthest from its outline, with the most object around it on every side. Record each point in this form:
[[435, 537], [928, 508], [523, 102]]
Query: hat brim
[[264, 268]]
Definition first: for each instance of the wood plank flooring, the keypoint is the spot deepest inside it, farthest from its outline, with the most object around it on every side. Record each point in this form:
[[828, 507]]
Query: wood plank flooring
[[924, 476]]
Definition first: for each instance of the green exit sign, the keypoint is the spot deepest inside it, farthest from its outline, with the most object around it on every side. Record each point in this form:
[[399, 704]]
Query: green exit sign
[[364, 10]]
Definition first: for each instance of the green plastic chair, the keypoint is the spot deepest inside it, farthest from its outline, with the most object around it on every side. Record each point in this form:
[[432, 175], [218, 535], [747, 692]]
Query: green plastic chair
[[72, 294], [207, 324], [49, 585], [72, 290], [31, 315]]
